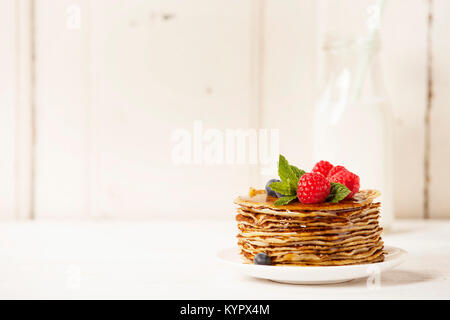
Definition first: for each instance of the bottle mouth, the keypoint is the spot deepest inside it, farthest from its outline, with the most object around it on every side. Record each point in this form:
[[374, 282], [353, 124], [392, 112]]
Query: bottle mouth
[[336, 44]]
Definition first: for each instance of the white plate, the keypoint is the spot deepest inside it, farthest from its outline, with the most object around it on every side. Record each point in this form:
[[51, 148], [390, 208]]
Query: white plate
[[312, 275]]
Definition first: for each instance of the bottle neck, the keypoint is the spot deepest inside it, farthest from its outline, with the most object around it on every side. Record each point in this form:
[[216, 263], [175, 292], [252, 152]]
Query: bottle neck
[[352, 69]]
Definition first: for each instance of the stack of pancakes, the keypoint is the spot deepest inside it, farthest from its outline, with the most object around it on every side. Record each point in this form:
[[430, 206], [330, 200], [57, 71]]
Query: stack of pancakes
[[325, 234]]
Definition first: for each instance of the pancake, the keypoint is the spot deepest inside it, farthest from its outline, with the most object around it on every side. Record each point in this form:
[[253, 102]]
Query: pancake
[[249, 220], [376, 257], [304, 256], [308, 248], [260, 199], [325, 234]]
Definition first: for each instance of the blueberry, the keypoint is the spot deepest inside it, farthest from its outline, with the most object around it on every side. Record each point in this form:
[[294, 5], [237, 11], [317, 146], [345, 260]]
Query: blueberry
[[263, 259], [270, 192]]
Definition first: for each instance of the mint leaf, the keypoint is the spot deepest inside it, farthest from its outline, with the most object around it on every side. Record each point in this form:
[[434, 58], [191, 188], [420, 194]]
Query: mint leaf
[[288, 173], [289, 176], [284, 169], [338, 192], [285, 200], [283, 187], [298, 172]]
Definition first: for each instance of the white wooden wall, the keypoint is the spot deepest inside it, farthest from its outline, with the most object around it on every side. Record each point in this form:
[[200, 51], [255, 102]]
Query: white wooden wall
[[8, 93], [404, 58], [440, 111], [133, 72], [86, 126]]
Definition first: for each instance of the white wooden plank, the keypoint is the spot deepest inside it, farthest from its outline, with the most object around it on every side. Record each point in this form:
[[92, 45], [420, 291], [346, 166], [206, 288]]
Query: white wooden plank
[[257, 36], [290, 68], [62, 109], [158, 66], [8, 89], [404, 65], [440, 111], [24, 124]]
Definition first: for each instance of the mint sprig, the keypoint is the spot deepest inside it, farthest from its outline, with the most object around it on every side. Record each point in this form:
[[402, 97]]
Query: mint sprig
[[289, 176], [286, 172], [338, 192]]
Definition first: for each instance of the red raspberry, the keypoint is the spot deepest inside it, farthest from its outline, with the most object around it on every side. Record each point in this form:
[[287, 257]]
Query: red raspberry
[[322, 167], [335, 170], [313, 188], [347, 178]]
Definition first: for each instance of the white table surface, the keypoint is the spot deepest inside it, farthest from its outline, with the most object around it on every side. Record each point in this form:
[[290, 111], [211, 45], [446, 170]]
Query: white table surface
[[177, 260]]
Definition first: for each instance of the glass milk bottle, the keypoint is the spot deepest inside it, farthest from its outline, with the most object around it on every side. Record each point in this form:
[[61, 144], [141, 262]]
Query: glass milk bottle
[[353, 120]]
